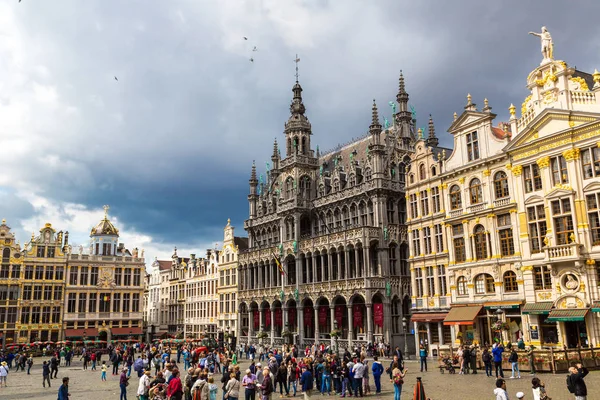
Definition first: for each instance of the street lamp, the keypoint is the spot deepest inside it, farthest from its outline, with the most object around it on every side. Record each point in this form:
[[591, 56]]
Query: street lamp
[[84, 335], [335, 338], [405, 329], [499, 313]]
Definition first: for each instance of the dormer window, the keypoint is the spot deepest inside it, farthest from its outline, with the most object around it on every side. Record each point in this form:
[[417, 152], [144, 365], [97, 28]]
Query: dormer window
[[422, 173], [472, 146]]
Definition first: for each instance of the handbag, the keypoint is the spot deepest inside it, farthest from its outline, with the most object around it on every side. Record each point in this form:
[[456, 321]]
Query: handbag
[[227, 394]]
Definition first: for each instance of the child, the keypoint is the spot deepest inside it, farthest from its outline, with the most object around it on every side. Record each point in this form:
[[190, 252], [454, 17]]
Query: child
[[104, 371], [212, 388]]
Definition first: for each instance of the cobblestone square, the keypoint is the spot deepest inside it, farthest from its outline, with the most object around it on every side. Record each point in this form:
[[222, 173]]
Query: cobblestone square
[[87, 385]]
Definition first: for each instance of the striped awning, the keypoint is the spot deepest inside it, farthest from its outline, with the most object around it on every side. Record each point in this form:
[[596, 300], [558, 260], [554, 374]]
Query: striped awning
[[596, 306], [567, 315], [542, 307], [462, 315]]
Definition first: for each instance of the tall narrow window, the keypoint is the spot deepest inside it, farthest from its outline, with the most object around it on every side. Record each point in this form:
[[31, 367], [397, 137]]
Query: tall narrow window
[[439, 238], [414, 210], [93, 301], [484, 283], [472, 146], [542, 277], [419, 281], [442, 280], [505, 232], [532, 178], [416, 242], [455, 201], [594, 216], [559, 170], [422, 172], [82, 302], [461, 286], [435, 199], [71, 303], [83, 276], [393, 261], [475, 191], [501, 185], [590, 162], [459, 243], [536, 219], [424, 203], [480, 239], [563, 221], [427, 240], [73, 276], [430, 280], [510, 282], [94, 276]]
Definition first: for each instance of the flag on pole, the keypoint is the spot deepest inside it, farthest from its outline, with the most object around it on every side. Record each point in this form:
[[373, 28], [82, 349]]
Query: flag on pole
[[279, 264]]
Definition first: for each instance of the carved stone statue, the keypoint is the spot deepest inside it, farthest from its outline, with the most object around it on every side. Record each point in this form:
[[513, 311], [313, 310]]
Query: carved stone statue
[[571, 283], [385, 233], [143, 251], [393, 105], [388, 289], [547, 45], [386, 123], [80, 249]]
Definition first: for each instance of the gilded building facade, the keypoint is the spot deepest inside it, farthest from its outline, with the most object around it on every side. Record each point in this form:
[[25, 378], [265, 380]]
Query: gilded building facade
[[336, 222], [43, 286], [201, 302], [227, 287], [10, 285], [519, 204], [104, 288]]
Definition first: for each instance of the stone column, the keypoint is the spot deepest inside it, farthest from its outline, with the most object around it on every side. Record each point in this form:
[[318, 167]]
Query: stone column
[[316, 322], [300, 319], [339, 266], [369, 308], [332, 317], [250, 323], [387, 321], [261, 282], [348, 268], [272, 325], [350, 326], [440, 332], [359, 272], [284, 316], [261, 318]]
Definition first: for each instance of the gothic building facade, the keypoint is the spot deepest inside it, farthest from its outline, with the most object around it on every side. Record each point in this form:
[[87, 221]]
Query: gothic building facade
[[327, 237]]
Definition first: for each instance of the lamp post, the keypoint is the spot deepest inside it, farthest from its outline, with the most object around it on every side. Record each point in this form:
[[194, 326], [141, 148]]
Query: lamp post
[[405, 329], [499, 313], [335, 338]]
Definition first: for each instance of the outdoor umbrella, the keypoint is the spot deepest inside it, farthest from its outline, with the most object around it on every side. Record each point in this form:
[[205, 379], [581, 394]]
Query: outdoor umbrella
[[419, 393]]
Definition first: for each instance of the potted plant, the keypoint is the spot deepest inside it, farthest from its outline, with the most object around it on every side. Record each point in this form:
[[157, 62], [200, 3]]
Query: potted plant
[[336, 333]]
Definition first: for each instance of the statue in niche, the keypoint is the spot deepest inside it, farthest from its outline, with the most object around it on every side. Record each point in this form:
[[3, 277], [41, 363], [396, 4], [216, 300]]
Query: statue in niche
[[571, 282]]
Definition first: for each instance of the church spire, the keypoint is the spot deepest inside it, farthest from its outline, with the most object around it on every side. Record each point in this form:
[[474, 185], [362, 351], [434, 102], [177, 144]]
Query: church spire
[[275, 151], [297, 128], [432, 141], [402, 96], [253, 173], [375, 127]]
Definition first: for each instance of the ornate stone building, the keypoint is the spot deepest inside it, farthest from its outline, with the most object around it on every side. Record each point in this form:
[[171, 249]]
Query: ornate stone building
[[43, 286], [337, 223], [104, 288], [201, 300], [227, 287], [10, 285], [519, 203]]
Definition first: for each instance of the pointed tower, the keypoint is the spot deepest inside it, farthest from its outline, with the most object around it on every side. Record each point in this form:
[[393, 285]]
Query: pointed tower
[[376, 149], [375, 127], [297, 129], [104, 237], [432, 140], [253, 196], [275, 156], [404, 118]]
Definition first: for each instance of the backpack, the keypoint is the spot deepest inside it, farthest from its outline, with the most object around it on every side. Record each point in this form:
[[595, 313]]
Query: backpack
[[398, 380], [570, 385], [485, 357], [513, 357]]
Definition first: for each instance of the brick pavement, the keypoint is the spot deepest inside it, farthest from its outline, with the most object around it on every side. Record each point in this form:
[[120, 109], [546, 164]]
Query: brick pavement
[[87, 385]]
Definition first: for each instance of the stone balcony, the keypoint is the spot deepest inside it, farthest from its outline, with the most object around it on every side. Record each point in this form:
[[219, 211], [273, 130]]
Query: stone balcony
[[564, 252], [102, 315]]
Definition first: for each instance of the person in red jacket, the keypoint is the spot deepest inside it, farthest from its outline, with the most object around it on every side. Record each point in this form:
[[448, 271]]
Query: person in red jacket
[[175, 388]]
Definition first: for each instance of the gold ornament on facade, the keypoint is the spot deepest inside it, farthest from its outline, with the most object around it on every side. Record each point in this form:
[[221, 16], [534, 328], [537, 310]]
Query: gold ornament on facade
[[590, 262], [572, 237], [543, 162], [487, 172], [461, 180], [524, 105], [517, 170], [548, 76], [571, 154], [582, 83], [508, 167], [512, 109]]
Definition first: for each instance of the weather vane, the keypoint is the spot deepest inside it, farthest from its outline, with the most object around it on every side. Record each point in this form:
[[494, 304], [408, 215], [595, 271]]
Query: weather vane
[[297, 60]]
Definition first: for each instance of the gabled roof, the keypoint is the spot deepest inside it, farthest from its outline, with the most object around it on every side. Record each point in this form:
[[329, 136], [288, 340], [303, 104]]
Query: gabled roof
[[463, 120], [164, 265], [500, 134]]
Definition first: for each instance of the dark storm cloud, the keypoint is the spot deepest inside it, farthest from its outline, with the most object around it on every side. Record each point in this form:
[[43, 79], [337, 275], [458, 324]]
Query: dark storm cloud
[[170, 143]]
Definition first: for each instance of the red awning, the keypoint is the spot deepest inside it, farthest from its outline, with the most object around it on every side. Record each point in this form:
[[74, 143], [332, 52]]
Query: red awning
[[428, 317], [80, 332], [126, 331]]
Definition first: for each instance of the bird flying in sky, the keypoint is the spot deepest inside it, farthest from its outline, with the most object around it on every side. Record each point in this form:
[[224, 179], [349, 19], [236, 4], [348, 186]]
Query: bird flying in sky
[[245, 38], [116, 79], [254, 49], [251, 59]]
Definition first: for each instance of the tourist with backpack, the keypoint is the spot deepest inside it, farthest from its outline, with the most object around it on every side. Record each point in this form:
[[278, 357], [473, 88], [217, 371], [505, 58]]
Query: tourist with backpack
[[486, 357], [575, 382], [398, 380]]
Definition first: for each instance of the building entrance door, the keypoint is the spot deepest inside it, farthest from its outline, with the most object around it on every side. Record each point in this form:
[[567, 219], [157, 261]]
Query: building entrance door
[[576, 334]]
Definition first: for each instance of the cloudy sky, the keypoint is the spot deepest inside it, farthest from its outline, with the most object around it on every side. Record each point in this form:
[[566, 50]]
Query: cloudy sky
[[170, 144]]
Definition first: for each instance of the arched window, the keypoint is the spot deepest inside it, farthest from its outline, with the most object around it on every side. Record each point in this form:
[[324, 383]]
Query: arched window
[[501, 185], [433, 171], [475, 192], [411, 178], [510, 282], [402, 172], [305, 187], [422, 172], [352, 180], [484, 283], [480, 238], [368, 174], [354, 214], [336, 185], [461, 286], [455, 202], [289, 185]]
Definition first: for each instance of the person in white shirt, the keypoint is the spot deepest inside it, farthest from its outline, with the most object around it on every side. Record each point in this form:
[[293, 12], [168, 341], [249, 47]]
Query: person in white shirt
[[359, 372], [144, 386]]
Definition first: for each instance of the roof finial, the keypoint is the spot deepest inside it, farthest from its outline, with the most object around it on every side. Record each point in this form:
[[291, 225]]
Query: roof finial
[[297, 60], [469, 99], [455, 116], [106, 208], [432, 141], [253, 174], [375, 127]]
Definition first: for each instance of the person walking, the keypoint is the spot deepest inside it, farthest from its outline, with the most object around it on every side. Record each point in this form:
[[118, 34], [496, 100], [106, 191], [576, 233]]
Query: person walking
[[123, 383], [486, 357], [500, 390], [423, 356], [539, 389], [497, 351], [530, 356], [175, 388], [377, 370], [398, 380], [53, 367], [46, 374], [267, 387], [514, 362], [3, 373], [63, 390], [306, 382], [144, 386], [103, 373], [575, 382]]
